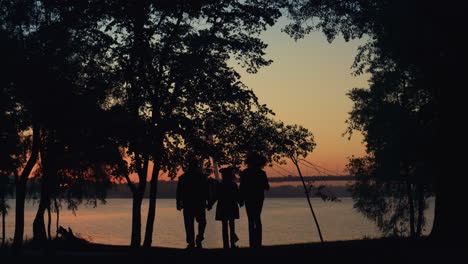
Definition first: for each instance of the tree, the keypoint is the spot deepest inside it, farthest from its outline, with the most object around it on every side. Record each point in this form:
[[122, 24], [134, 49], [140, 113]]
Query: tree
[[173, 56], [9, 140], [238, 129], [5, 191], [418, 38], [295, 144], [78, 152], [77, 162], [393, 181], [389, 203], [59, 48], [14, 21]]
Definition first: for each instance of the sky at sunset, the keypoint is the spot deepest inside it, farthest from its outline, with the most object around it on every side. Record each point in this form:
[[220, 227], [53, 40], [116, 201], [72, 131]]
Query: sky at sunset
[[307, 85]]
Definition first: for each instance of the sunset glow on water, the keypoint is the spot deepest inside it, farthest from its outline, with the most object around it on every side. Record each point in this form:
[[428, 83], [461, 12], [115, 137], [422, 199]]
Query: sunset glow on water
[[285, 221]]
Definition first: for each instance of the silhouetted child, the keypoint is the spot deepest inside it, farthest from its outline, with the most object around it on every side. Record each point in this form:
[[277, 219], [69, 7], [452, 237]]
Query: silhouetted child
[[253, 183], [227, 209]]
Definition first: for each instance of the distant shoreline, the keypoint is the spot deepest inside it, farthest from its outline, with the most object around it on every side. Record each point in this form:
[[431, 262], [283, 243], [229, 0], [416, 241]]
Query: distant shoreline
[[167, 189], [278, 189]]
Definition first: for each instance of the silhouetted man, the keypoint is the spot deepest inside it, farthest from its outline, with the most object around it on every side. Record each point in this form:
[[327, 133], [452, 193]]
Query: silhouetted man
[[253, 183], [192, 196]]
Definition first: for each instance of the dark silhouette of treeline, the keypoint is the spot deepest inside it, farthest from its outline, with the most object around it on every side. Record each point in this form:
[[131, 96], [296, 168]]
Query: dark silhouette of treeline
[[167, 189], [312, 178]]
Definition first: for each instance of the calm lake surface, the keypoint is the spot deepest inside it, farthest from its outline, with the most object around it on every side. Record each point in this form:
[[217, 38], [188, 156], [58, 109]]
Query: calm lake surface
[[285, 221]]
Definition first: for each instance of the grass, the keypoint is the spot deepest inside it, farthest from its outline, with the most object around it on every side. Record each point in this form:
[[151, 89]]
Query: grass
[[384, 250]]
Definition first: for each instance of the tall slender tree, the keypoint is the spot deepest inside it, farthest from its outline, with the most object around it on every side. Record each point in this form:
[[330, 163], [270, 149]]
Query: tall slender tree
[[295, 143], [17, 21]]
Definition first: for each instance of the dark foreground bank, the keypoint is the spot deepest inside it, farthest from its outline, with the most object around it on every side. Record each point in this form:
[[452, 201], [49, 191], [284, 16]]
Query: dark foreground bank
[[355, 251]]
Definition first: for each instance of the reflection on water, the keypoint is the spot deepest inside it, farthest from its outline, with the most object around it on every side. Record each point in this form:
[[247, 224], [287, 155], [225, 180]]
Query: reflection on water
[[285, 220]]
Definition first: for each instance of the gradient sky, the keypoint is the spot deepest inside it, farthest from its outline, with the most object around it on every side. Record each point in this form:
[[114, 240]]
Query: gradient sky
[[307, 85]]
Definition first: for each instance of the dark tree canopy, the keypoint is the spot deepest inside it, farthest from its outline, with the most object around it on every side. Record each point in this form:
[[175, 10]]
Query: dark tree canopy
[[414, 53], [171, 64], [55, 71]]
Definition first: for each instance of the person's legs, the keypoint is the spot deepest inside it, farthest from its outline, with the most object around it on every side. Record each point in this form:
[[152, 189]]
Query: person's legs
[[249, 208], [225, 234], [201, 220], [189, 228], [258, 231], [257, 211], [234, 238], [259, 223]]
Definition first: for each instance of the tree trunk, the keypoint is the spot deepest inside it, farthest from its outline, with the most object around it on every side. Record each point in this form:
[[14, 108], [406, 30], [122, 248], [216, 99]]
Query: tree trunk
[[19, 214], [20, 192], [308, 200], [409, 194], [39, 229], [448, 72], [138, 193], [57, 209], [448, 227], [152, 205], [421, 205], [49, 222], [136, 220], [3, 228]]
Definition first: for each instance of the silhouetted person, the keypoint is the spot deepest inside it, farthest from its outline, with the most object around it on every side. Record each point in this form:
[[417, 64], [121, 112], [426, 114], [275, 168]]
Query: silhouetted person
[[253, 183], [192, 196], [227, 209]]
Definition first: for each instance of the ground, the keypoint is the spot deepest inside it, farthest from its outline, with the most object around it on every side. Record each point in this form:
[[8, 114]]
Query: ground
[[355, 251]]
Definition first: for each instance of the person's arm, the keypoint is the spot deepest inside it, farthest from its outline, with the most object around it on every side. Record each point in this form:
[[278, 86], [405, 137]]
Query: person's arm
[[179, 204], [237, 196], [242, 187], [209, 199], [265, 179]]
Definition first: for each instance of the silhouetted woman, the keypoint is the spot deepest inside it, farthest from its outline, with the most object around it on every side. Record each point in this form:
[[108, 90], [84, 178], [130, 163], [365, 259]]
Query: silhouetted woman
[[227, 209], [253, 183]]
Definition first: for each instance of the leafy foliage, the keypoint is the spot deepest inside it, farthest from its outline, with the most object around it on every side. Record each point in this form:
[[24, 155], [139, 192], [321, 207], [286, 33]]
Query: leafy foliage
[[399, 114]]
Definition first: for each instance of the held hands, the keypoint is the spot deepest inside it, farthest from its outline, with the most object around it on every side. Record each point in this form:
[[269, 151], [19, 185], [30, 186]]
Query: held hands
[[179, 207]]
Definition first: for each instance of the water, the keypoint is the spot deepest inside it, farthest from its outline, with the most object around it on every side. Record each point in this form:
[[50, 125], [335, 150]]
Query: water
[[285, 221]]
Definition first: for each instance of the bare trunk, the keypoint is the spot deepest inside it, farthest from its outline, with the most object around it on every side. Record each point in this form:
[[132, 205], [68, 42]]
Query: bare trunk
[[47, 186], [421, 205], [138, 195], [19, 214], [57, 209], [39, 229], [308, 200], [448, 226], [49, 222], [152, 206], [136, 220], [20, 193], [3, 228], [409, 193]]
